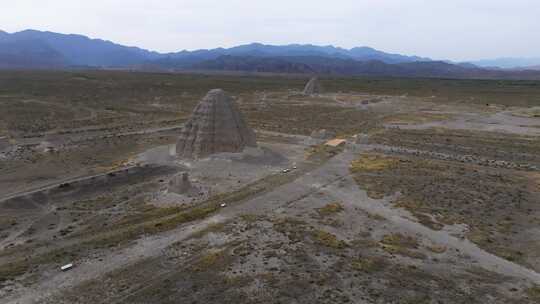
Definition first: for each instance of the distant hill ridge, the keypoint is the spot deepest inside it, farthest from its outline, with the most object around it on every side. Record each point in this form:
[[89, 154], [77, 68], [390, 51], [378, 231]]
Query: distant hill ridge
[[37, 48], [31, 49], [71, 50], [509, 63]]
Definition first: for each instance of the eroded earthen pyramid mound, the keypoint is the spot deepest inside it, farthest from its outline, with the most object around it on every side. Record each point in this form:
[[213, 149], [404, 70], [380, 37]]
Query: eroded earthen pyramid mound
[[216, 125], [312, 87]]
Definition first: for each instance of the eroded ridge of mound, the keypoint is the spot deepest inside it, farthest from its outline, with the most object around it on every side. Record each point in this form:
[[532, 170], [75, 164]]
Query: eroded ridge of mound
[[216, 125], [312, 87]]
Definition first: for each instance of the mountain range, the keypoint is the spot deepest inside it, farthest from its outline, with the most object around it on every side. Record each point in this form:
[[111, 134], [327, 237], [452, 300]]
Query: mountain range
[[31, 49], [509, 63], [36, 49]]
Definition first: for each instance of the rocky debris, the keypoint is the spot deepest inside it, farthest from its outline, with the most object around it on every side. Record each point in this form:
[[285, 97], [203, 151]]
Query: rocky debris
[[216, 125], [17, 152], [180, 184], [313, 87], [323, 134], [470, 159]]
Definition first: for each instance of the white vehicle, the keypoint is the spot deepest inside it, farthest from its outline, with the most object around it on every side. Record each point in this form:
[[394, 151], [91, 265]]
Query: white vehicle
[[67, 267]]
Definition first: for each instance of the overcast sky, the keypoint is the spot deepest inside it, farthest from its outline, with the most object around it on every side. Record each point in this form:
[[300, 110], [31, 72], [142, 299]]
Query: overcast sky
[[440, 29]]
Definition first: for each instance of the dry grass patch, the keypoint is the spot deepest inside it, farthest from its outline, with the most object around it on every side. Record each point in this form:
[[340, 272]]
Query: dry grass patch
[[534, 177], [439, 249], [330, 209], [251, 218], [400, 244], [181, 218], [375, 216], [398, 239], [423, 218], [209, 260], [327, 239], [12, 270], [369, 264], [373, 162], [534, 293], [528, 113], [494, 205], [323, 152], [211, 228], [293, 228]]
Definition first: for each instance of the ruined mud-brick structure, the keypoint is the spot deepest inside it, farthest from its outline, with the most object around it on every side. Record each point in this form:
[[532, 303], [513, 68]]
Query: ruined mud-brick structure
[[216, 125], [312, 87]]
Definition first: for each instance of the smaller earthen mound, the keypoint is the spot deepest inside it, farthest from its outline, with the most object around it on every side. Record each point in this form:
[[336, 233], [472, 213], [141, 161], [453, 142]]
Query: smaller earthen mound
[[323, 134], [313, 87], [180, 184]]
